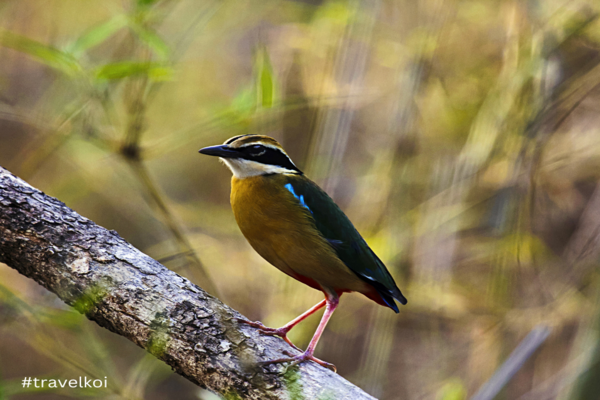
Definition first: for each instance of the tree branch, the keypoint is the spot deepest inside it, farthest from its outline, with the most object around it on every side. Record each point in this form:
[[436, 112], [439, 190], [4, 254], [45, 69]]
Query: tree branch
[[129, 293]]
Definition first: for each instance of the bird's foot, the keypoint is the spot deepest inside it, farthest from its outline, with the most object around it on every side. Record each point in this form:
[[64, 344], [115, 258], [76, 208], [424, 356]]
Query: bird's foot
[[281, 332], [300, 358]]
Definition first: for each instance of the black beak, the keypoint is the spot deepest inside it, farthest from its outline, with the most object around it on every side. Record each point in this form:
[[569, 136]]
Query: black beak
[[220, 151]]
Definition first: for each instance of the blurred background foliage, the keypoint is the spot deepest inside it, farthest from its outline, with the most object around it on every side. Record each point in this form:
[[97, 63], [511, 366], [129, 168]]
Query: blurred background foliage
[[460, 136]]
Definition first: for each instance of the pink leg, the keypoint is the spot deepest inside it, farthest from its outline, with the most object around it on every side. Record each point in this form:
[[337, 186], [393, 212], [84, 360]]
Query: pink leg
[[332, 302], [282, 332]]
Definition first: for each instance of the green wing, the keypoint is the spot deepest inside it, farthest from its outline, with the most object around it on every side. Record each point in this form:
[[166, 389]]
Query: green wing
[[348, 244]]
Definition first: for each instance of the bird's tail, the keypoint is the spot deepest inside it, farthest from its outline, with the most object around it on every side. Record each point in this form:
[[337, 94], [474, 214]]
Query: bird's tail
[[388, 296]]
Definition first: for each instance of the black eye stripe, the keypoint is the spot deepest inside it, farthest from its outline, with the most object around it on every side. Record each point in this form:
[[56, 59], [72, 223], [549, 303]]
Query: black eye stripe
[[254, 149], [267, 155]]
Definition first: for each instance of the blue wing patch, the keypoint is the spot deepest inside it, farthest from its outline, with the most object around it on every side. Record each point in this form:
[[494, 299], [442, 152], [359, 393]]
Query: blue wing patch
[[300, 198], [336, 244]]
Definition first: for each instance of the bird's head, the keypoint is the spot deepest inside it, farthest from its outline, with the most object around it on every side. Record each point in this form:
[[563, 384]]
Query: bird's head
[[252, 155]]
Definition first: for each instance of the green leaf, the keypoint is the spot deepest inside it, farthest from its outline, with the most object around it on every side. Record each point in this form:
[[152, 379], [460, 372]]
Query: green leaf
[[125, 69], [97, 34], [145, 3], [453, 389], [151, 39], [244, 104], [266, 81], [47, 55], [335, 12]]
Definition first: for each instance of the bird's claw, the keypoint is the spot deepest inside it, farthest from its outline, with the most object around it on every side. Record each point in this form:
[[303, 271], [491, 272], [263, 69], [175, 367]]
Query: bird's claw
[[297, 359], [255, 324], [281, 332]]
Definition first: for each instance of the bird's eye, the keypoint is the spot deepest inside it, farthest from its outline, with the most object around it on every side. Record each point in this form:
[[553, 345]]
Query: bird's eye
[[257, 150]]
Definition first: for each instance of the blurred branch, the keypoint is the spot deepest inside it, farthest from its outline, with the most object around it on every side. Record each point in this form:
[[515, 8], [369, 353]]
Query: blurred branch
[[131, 152], [194, 268], [127, 292], [515, 361]]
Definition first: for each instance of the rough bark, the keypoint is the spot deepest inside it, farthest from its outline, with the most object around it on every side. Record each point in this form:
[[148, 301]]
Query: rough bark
[[129, 293]]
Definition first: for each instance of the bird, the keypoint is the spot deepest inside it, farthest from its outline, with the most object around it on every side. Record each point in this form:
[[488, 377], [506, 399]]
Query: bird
[[295, 226]]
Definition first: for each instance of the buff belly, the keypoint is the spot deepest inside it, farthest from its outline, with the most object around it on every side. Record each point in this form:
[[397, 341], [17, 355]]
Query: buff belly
[[283, 233]]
